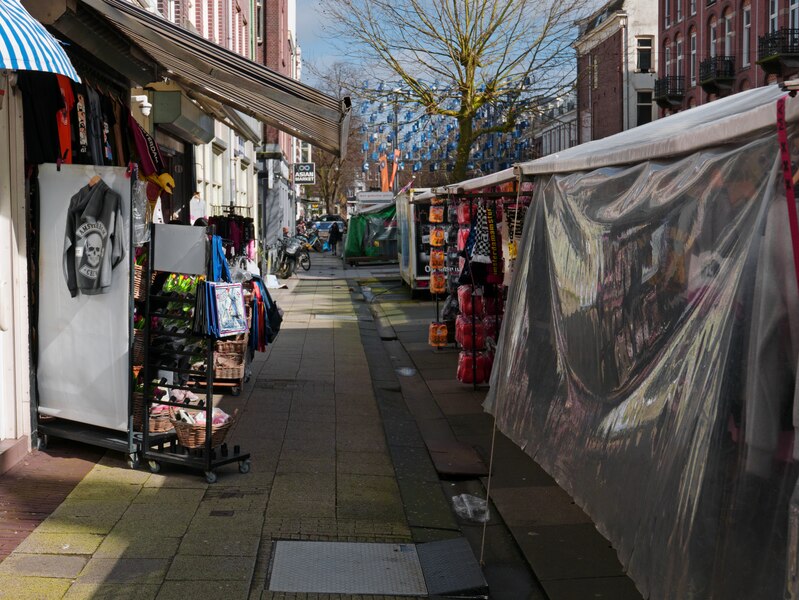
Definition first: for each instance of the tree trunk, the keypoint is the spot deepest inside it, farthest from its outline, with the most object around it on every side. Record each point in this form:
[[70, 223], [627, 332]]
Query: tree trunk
[[465, 139]]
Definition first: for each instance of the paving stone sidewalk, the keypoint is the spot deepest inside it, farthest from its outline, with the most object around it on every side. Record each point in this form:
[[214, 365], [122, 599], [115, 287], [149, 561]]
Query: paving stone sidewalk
[[321, 470]]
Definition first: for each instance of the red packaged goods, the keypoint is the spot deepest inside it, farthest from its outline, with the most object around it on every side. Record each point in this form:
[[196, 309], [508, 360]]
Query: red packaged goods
[[473, 369], [491, 326], [465, 212], [468, 336], [437, 335], [436, 214], [492, 305], [438, 282], [437, 236], [467, 303], [436, 259], [463, 237]]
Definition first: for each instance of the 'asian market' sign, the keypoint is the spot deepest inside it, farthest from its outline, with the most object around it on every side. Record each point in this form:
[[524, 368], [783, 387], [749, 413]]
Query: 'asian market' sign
[[305, 173]]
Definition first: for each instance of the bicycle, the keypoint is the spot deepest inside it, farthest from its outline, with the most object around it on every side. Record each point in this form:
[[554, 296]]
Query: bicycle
[[304, 257]]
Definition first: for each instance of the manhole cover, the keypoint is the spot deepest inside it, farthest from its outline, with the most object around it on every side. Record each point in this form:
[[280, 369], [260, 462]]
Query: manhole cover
[[347, 568]]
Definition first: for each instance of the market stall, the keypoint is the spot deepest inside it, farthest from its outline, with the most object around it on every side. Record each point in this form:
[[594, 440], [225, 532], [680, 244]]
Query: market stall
[[648, 359], [371, 233]]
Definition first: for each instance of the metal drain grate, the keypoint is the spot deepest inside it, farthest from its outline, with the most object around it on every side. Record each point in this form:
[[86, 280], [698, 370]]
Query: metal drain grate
[[347, 568]]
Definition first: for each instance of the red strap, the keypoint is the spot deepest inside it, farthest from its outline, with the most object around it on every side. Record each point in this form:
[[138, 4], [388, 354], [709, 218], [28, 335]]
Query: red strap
[[790, 197]]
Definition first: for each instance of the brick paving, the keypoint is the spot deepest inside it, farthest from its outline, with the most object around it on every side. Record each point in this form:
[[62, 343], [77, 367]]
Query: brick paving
[[320, 471], [31, 490]]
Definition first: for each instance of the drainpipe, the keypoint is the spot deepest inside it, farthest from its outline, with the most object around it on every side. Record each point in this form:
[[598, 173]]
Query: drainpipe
[[626, 77]]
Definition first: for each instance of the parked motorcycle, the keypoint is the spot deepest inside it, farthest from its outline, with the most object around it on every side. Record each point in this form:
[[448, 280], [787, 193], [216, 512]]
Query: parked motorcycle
[[287, 255]]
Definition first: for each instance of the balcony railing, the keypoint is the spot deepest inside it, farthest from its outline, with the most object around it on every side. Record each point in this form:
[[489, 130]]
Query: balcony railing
[[670, 86], [778, 50], [784, 41], [717, 67], [669, 91]]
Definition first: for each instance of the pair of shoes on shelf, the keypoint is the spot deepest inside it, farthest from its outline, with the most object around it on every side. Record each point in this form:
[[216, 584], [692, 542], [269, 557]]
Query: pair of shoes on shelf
[[185, 396]]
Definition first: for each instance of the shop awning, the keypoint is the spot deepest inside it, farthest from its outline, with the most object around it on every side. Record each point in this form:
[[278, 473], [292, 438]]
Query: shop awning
[[25, 45], [222, 75], [479, 183]]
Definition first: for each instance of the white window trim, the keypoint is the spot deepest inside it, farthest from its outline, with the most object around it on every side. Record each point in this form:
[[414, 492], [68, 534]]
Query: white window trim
[[692, 66], [746, 49]]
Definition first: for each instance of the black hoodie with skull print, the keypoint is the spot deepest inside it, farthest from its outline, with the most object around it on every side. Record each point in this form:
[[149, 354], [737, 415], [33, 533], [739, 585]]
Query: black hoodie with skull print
[[95, 239]]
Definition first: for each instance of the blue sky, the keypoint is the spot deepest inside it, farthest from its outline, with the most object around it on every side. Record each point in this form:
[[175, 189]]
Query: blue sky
[[313, 39]]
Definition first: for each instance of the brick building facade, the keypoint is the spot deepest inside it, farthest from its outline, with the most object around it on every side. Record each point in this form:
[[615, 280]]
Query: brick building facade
[[615, 72], [712, 48]]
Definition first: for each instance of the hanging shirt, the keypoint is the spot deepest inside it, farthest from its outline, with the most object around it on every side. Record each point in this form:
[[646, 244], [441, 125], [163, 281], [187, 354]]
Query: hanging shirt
[[120, 147], [95, 120], [41, 103], [64, 118], [94, 242], [80, 126], [109, 145]]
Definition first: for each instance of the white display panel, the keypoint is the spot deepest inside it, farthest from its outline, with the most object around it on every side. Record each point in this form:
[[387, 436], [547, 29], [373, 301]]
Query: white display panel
[[83, 372]]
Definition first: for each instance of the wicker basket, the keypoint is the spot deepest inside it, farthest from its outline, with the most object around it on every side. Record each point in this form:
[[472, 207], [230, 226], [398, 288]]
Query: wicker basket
[[139, 282], [229, 366], [193, 436], [158, 423], [235, 345], [138, 346]]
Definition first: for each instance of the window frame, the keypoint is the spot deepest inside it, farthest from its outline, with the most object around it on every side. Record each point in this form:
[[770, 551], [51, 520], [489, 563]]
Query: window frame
[[773, 16], [692, 64], [641, 49], [639, 107], [746, 35], [729, 32]]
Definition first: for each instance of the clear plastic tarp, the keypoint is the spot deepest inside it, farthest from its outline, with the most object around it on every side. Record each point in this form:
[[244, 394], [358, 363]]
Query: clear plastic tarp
[[648, 362]]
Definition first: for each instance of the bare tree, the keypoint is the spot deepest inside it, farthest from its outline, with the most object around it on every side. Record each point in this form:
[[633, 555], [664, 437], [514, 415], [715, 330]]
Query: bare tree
[[454, 57], [335, 174]]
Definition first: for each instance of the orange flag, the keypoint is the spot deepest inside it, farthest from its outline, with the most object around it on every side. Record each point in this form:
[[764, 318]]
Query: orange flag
[[383, 173]]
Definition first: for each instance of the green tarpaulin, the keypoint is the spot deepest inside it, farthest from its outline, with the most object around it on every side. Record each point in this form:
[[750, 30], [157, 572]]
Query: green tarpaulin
[[372, 235]]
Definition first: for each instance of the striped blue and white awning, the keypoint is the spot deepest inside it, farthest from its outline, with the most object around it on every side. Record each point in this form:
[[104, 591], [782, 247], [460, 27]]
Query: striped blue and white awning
[[25, 45]]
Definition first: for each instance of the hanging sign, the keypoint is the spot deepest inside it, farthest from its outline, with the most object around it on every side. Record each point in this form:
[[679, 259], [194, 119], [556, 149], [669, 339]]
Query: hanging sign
[[305, 173]]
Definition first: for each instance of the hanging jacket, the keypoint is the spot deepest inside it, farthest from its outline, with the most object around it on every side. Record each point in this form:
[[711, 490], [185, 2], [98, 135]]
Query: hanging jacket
[[95, 240]]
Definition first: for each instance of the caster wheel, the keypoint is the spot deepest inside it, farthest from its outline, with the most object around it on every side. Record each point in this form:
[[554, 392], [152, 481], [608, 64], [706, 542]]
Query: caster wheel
[[244, 466], [235, 391], [41, 442], [210, 477], [154, 466], [133, 461]]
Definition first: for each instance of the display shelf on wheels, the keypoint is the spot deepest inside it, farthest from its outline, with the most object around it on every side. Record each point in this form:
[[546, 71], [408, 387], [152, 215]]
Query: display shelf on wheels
[[181, 333]]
